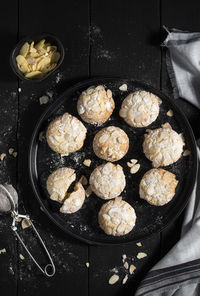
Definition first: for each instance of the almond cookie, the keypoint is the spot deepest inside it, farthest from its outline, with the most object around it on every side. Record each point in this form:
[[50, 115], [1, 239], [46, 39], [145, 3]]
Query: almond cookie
[[95, 105], [58, 184], [107, 180], [158, 187], [66, 134], [163, 146], [140, 108], [117, 217], [111, 143]]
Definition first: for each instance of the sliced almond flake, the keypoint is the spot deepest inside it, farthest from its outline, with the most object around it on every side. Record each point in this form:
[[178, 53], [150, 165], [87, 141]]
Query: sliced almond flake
[[2, 251], [83, 180], [141, 255], [14, 154], [129, 164], [10, 151], [125, 279], [139, 244], [21, 257], [132, 268], [87, 162], [135, 168], [87, 264], [126, 265], [19, 89], [123, 87], [88, 191], [134, 161], [25, 223], [170, 113], [2, 156], [113, 279], [186, 152]]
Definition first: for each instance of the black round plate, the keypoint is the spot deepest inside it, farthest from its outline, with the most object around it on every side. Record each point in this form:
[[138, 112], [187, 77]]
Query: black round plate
[[84, 224]]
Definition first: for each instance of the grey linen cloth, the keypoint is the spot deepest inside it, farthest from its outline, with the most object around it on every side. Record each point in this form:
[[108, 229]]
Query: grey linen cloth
[[178, 272]]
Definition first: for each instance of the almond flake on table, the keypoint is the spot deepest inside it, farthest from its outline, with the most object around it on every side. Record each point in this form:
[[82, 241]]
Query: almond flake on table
[[132, 268], [141, 255], [186, 152], [139, 244], [87, 162], [14, 154], [25, 223], [123, 87], [87, 264], [113, 279], [88, 191], [170, 113], [21, 257], [19, 89], [2, 156], [125, 279], [126, 265], [2, 251], [10, 151]]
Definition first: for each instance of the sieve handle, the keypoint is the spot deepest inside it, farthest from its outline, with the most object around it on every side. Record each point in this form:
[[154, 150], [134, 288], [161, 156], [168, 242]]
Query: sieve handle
[[49, 270]]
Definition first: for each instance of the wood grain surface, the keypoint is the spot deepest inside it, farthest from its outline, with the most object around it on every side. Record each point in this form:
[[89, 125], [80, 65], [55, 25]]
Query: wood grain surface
[[101, 38]]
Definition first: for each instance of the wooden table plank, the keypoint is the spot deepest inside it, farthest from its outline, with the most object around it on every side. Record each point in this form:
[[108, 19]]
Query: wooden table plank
[[123, 44], [70, 23], [8, 132]]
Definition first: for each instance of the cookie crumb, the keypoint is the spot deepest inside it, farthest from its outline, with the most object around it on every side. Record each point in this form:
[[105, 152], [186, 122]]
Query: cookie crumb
[[2, 251], [132, 268], [125, 279], [141, 255], [25, 223], [186, 152], [87, 264], [43, 100], [21, 257], [10, 151], [87, 162], [123, 87], [170, 113], [124, 257], [139, 244], [126, 265], [2, 156], [113, 279], [49, 94]]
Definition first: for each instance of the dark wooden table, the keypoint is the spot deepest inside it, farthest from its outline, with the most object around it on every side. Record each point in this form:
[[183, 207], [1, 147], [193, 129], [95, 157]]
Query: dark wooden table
[[112, 38]]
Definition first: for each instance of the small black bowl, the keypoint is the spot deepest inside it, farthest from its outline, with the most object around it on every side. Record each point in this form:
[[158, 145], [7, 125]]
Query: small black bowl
[[48, 38]]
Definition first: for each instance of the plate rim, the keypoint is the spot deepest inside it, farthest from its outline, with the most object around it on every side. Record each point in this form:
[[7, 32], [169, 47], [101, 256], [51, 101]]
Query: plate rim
[[33, 152]]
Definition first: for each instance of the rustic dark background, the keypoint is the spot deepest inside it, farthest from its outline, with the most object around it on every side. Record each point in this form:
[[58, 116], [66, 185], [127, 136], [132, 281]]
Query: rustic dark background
[[113, 38]]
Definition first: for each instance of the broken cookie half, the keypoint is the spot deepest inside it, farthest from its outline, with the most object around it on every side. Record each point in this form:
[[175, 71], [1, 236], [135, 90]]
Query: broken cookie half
[[58, 184]]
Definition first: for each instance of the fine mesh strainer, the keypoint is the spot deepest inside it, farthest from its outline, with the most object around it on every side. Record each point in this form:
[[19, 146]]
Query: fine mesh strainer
[[9, 203]]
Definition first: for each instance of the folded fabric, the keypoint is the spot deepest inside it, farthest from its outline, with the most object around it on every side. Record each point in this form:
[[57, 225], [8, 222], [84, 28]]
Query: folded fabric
[[178, 272], [183, 64]]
